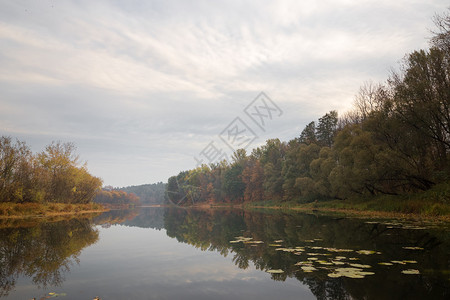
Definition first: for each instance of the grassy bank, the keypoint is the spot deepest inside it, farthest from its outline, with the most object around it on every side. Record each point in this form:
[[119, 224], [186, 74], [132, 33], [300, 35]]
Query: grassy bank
[[23, 210], [433, 204]]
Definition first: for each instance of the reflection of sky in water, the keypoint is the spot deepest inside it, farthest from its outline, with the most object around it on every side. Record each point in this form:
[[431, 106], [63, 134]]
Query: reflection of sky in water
[[138, 263]]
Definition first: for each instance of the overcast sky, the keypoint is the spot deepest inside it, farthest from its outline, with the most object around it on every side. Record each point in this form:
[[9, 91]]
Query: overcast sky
[[143, 87]]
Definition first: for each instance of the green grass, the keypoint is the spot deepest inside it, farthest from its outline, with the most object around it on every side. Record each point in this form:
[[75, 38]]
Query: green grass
[[432, 203]]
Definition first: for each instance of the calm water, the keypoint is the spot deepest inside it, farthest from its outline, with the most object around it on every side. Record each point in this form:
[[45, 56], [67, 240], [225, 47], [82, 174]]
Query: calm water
[[161, 253]]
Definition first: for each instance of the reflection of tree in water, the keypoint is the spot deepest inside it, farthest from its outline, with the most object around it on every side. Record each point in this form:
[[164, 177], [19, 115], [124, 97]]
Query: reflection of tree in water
[[44, 252], [143, 217], [213, 230]]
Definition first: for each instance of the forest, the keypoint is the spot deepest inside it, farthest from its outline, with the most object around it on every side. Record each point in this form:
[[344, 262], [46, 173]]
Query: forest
[[54, 175], [149, 194], [395, 141], [116, 198]]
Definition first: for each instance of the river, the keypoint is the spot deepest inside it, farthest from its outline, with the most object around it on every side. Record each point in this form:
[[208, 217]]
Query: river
[[174, 253]]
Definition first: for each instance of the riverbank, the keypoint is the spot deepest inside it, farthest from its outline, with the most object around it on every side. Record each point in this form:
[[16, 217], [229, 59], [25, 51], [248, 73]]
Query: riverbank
[[27, 210], [432, 205]]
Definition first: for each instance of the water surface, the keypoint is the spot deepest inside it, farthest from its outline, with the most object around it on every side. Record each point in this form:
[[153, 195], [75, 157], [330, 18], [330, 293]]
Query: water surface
[[168, 253]]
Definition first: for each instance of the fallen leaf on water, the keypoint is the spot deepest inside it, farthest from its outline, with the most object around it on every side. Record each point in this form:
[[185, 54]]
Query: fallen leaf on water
[[413, 248], [366, 252], [308, 269], [385, 263], [410, 261], [360, 266], [411, 272]]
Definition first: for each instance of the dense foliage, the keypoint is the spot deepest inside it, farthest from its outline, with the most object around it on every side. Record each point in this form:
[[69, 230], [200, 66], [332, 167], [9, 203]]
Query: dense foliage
[[116, 198], [395, 141], [51, 176]]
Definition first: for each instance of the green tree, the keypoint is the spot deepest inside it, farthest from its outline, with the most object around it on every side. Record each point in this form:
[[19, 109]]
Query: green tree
[[326, 128]]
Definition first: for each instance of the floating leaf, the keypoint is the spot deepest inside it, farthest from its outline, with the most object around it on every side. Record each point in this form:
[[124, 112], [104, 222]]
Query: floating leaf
[[366, 252], [275, 271], [338, 262], [338, 250], [398, 262], [385, 263], [352, 272], [353, 258], [323, 262], [278, 241], [308, 269], [410, 261], [309, 241], [360, 266], [312, 258], [411, 272], [274, 245], [303, 263], [413, 248], [334, 275]]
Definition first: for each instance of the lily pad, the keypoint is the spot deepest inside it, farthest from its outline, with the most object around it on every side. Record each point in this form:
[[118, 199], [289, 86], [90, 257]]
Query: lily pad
[[308, 269], [385, 263], [366, 252], [360, 266], [352, 272], [338, 250], [275, 271], [323, 262], [413, 248], [411, 272]]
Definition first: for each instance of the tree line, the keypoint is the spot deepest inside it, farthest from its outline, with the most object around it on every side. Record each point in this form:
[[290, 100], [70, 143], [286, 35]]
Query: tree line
[[54, 175], [116, 198], [395, 141]]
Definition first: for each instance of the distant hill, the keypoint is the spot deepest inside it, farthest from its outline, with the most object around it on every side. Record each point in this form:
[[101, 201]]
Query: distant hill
[[148, 193]]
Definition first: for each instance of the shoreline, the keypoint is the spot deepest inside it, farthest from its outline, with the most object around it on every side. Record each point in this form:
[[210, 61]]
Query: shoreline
[[355, 213], [33, 210], [347, 212]]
